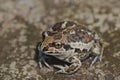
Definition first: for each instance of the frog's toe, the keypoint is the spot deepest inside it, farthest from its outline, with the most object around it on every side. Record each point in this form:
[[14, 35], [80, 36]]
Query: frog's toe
[[47, 65], [94, 61], [62, 69], [100, 56], [40, 64]]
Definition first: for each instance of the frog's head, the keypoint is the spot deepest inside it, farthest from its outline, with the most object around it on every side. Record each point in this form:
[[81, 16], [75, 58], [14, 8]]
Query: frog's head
[[54, 42]]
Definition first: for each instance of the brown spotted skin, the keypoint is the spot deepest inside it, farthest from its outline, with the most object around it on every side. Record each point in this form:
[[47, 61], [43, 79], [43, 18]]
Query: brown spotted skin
[[81, 34], [68, 40], [58, 26]]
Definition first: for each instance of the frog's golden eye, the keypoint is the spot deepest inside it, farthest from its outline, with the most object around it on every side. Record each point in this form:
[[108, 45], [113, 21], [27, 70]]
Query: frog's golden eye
[[57, 45]]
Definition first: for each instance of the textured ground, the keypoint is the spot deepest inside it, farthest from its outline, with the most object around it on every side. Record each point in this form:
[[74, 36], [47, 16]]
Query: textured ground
[[23, 21]]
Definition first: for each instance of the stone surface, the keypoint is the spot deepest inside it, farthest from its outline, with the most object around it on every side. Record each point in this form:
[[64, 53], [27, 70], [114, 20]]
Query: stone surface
[[23, 21]]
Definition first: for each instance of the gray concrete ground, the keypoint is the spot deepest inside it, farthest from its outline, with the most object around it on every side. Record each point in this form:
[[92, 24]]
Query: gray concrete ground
[[23, 21]]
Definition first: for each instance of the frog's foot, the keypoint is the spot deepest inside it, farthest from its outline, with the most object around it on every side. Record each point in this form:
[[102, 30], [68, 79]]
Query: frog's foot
[[42, 58], [44, 69], [43, 62], [68, 69], [96, 58]]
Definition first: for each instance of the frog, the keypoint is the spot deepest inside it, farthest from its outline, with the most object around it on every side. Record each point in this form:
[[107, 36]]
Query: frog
[[67, 45]]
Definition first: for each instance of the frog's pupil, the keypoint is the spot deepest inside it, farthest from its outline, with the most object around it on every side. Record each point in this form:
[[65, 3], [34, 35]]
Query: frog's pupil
[[58, 46]]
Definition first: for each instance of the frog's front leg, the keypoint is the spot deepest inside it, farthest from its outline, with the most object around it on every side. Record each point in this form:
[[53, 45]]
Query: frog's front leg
[[97, 53], [69, 69]]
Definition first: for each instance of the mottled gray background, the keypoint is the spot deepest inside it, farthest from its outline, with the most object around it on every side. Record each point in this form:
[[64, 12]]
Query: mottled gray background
[[23, 21]]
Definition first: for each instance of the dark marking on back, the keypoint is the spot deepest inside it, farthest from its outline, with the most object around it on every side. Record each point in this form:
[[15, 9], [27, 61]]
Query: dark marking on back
[[57, 26], [70, 23]]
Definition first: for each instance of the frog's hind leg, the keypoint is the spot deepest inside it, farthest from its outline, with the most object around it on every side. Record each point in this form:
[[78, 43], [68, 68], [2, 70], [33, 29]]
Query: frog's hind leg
[[69, 69]]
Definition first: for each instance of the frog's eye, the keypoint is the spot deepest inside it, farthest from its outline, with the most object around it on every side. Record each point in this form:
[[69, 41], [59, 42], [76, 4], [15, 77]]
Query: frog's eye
[[57, 45]]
